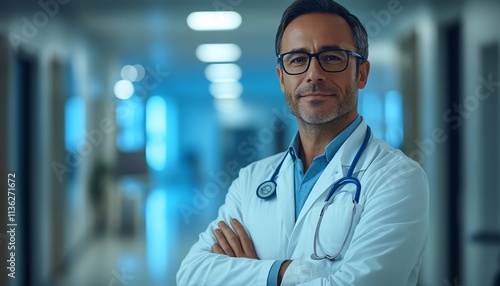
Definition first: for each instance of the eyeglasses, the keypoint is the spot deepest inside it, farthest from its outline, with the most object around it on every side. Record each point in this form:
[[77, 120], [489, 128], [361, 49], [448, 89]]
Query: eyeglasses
[[333, 60]]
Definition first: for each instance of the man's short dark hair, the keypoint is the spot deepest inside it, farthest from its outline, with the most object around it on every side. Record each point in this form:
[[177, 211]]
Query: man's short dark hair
[[302, 7]]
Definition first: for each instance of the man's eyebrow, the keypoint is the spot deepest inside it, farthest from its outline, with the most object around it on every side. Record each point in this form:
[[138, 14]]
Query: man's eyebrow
[[299, 50], [322, 48], [331, 47]]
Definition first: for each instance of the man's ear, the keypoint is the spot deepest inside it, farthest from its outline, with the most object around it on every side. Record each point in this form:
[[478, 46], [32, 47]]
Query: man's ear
[[364, 70], [280, 77]]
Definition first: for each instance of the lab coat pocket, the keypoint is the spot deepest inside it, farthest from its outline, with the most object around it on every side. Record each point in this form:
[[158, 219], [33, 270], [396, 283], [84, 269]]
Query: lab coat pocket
[[337, 225]]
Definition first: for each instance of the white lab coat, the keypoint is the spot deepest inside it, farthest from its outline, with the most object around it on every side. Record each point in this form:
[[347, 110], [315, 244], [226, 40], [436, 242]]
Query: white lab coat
[[384, 248]]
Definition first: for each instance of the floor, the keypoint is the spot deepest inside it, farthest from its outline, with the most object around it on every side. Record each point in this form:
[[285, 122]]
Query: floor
[[143, 242]]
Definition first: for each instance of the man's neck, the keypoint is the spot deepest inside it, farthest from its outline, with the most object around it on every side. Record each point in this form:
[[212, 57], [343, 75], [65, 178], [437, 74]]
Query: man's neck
[[315, 137]]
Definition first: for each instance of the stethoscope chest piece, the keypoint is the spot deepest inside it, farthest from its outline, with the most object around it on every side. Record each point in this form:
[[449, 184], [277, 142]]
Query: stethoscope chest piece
[[266, 189]]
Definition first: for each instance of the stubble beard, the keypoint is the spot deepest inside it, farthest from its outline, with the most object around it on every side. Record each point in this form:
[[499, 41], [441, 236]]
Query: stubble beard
[[345, 104]]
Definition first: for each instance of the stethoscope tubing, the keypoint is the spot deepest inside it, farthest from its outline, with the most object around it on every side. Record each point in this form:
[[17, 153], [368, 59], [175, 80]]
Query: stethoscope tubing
[[349, 178], [315, 255]]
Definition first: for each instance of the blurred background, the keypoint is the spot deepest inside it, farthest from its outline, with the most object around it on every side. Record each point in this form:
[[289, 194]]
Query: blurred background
[[124, 127]]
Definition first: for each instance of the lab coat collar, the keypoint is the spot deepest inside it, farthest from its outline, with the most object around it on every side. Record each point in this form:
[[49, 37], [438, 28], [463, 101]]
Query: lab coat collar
[[337, 168]]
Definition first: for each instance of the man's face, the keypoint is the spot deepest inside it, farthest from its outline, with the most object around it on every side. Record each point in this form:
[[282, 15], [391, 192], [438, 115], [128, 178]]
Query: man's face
[[317, 96]]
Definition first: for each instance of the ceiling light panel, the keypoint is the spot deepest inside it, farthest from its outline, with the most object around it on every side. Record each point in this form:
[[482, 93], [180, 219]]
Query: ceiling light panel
[[211, 53], [226, 90], [223, 72], [213, 21]]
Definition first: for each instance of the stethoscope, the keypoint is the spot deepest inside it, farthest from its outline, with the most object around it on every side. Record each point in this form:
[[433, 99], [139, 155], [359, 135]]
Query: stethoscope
[[268, 188]]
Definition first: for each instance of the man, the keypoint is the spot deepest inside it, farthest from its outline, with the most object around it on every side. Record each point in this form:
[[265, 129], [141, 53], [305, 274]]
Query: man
[[374, 229]]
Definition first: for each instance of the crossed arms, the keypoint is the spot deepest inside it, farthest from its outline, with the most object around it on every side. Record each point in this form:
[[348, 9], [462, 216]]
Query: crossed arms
[[237, 243]]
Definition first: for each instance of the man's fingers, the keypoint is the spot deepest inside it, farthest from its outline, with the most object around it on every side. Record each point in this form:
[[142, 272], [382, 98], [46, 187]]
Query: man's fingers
[[235, 243], [223, 243], [232, 239], [245, 240], [217, 249]]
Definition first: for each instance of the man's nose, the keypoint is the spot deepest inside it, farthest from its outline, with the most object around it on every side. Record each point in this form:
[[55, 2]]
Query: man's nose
[[315, 73]]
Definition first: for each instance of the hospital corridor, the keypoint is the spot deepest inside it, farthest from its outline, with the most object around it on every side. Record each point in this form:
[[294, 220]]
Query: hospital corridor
[[124, 123]]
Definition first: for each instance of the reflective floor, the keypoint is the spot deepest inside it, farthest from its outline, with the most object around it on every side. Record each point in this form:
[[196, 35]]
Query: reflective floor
[[141, 239]]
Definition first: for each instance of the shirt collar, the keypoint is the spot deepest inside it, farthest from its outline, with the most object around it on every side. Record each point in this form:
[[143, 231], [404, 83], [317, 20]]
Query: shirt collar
[[332, 147], [295, 146]]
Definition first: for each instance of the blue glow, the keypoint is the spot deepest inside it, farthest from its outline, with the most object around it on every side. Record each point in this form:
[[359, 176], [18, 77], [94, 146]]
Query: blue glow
[[384, 114], [156, 116], [156, 153], [74, 119], [130, 121], [394, 118], [156, 132], [156, 233], [373, 113], [172, 136], [161, 133]]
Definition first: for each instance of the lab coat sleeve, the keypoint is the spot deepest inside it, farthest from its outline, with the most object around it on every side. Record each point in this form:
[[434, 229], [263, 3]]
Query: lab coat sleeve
[[202, 267], [389, 240]]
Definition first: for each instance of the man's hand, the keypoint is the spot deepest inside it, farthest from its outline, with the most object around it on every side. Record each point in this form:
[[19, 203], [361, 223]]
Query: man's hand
[[233, 244]]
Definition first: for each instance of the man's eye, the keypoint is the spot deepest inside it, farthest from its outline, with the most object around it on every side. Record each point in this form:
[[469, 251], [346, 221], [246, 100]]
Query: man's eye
[[331, 58], [298, 60]]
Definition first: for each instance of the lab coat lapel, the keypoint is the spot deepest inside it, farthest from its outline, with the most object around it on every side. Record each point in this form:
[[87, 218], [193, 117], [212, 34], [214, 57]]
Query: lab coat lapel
[[332, 173], [286, 195], [336, 169]]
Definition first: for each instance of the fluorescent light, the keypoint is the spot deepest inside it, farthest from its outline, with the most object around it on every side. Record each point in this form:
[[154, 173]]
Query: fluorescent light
[[124, 89], [129, 73], [140, 72], [132, 73], [226, 90], [209, 21], [230, 105], [218, 52], [223, 72]]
